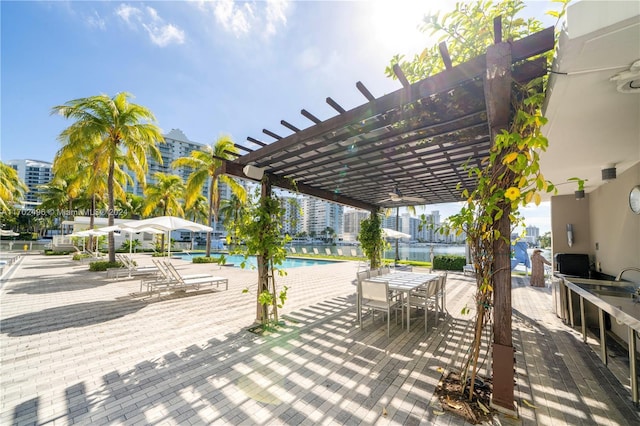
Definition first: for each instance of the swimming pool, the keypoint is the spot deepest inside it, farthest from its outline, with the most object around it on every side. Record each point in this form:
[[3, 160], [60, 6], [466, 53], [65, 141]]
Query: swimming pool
[[236, 260]]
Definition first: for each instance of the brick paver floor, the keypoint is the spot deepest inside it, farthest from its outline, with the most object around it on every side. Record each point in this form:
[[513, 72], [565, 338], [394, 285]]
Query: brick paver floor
[[77, 348]]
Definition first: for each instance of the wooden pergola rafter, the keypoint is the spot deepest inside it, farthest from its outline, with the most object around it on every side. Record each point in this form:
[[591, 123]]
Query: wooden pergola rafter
[[418, 139]]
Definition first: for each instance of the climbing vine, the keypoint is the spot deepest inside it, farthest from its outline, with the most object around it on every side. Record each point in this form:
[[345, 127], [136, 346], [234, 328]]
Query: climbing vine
[[261, 231], [371, 239]]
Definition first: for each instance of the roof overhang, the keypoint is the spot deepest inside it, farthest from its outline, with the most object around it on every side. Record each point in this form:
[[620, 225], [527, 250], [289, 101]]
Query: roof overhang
[[591, 124]]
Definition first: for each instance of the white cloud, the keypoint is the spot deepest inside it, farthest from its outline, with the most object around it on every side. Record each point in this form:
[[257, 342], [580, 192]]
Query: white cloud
[[160, 33], [243, 18], [96, 21], [164, 35], [126, 12], [276, 13]]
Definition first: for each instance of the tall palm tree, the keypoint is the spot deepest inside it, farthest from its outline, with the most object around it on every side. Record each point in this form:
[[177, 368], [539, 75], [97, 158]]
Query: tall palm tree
[[197, 212], [205, 165], [119, 134], [82, 168], [131, 206], [164, 197], [12, 189], [232, 210]]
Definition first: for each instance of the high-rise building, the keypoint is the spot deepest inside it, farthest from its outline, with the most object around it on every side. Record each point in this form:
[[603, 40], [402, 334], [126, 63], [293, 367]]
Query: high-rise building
[[176, 145], [351, 220], [318, 215], [292, 215], [532, 234], [33, 173]]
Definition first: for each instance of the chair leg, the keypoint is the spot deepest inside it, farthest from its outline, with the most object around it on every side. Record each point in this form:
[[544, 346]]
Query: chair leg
[[389, 322]]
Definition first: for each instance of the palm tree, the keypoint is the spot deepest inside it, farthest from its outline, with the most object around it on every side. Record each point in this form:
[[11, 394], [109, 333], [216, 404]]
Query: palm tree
[[232, 210], [197, 212], [205, 165], [12, 189], [164, 197], [119, 134], [82, 168], [131, 206]]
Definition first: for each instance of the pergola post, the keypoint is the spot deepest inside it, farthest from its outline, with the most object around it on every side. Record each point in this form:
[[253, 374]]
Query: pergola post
[[262, 311], [497, 90]]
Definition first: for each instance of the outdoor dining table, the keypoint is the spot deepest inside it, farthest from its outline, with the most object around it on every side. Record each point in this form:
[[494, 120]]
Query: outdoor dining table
[[406, 282]]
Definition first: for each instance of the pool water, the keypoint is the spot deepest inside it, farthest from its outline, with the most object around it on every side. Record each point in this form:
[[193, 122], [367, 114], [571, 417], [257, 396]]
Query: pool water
[[251, 262]]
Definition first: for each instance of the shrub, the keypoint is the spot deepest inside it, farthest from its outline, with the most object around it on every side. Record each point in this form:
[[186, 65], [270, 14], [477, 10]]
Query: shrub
[[55, 253], [103, 265], [449, 263], [205, 259], [80, 256]]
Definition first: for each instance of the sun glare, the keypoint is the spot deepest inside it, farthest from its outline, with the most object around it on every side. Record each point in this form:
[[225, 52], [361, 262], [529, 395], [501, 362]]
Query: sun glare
[[394, 25]]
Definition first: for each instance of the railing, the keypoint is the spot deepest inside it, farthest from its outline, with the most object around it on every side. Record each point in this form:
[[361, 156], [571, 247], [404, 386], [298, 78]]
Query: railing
[[622, 318]]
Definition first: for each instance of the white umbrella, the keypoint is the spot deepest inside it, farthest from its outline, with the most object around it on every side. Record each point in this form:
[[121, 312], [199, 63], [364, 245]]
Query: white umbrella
[[391, 233], [168, 224], [90, 233], [121, 227], [8, 233]]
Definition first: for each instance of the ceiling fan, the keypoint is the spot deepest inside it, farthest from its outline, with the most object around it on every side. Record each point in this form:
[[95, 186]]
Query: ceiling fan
[[397, 197]]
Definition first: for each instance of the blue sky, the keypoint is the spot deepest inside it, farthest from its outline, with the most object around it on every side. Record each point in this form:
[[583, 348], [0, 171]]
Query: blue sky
[[207, 68]]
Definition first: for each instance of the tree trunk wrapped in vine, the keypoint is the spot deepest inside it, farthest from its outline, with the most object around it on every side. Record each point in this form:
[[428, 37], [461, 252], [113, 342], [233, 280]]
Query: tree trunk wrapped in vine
[[261, 228], [371, 239], [511, 176]]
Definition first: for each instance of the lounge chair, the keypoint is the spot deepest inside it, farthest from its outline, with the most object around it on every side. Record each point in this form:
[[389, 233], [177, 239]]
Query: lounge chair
[[186, 281], [304, 251], [293, 250], [327, 250], [130, 269], [170, 279], [315, 251]]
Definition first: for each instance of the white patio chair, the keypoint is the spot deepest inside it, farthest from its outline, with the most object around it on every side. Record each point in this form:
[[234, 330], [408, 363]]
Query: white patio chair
[[424, 297], [376, 297], [442, 294], [360, 276]]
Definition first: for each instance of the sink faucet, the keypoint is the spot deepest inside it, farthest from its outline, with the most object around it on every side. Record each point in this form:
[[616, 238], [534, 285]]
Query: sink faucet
[[619, 277]]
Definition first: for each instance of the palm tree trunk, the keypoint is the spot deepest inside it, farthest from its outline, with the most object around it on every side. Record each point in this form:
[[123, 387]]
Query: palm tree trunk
[[91, 220], [208, 251], [110, 220]]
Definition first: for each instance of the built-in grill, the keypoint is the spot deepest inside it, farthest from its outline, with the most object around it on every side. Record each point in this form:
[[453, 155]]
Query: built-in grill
[[574, 264]]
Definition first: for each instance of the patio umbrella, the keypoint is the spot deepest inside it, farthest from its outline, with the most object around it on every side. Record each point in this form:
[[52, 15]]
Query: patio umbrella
[[8, 233], [90, 233], [121, 227], [391, 233], [168, 224]]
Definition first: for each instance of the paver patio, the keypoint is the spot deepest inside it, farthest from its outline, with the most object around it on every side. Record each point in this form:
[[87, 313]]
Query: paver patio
[[76, 348]]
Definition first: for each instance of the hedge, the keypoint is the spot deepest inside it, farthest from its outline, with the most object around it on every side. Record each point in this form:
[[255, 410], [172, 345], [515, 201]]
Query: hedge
[[103, 265], [204, 259], [449, 263]]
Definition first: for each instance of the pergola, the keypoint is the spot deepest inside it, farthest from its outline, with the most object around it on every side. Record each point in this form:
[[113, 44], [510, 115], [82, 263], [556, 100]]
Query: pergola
[[416, 141]]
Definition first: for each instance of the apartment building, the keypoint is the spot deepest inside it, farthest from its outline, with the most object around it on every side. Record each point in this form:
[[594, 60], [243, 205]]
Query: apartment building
[[33, 173], [319, 214]]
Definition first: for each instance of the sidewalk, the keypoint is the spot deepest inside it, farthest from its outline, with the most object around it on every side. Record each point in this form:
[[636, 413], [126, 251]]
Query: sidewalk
[[77, 349]]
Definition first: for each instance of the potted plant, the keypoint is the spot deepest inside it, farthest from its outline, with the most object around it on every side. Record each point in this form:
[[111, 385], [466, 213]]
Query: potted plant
[[580, 192]]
